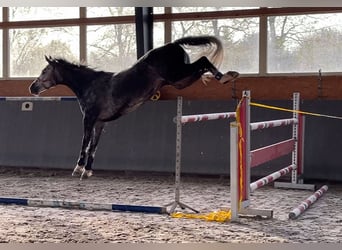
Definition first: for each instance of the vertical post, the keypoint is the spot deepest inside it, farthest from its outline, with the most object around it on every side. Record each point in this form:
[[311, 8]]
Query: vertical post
[[5, 45], [234, 171], [298, 132], [300, 138], [144, 29], [168, 26], [240, 158], [83, 36], [300, 157], [244, 140], [295, 137], [178, 146], [177, 201]]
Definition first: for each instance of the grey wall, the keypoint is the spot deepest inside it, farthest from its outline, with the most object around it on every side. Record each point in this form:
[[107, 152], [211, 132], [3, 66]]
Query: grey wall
[[50, 137]]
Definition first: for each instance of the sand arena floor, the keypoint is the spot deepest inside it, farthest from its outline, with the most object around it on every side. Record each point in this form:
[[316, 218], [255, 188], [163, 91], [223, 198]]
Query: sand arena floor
[[321, 223]]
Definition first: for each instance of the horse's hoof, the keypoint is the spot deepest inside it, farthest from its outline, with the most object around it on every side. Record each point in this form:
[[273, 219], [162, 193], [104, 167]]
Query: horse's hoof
[[206, 78], [77, 170], [86, 174], [229, 76]]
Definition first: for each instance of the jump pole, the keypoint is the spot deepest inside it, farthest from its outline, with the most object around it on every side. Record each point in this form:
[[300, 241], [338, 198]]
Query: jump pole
[[33, 202], [243, 158], [180, 120], [27, 105], [304, 205]]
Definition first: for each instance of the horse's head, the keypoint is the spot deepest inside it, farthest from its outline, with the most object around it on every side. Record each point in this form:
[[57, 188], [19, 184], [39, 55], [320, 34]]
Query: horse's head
[[47, 79]]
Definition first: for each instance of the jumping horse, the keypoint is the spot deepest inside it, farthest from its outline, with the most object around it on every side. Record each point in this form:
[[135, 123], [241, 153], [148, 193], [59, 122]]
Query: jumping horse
[[105, 96]]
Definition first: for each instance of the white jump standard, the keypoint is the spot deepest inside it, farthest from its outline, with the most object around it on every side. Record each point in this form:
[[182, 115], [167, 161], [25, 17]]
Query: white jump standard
[[242, 158], [180, 120]]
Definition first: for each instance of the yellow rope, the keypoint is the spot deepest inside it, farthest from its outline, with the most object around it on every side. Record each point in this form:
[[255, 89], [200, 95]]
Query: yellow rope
[[218, 216], [240, 142], [294, 111]]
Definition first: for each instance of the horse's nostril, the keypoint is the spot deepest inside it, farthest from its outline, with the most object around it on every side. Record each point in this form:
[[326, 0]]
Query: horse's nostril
[[34, 90]]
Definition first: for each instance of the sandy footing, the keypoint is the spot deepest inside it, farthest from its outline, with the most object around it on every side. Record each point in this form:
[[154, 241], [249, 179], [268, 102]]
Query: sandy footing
[[321, 223]]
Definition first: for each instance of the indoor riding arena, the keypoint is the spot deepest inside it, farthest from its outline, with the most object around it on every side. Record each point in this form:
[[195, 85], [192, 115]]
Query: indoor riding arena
[[170, 125]]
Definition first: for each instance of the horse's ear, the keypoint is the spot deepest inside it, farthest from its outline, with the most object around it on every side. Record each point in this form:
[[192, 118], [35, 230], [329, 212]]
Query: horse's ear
[[48, 59]]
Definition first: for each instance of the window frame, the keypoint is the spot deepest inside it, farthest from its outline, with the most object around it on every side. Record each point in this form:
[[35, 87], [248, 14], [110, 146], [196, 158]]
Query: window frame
[[167, 18], [82, 22]]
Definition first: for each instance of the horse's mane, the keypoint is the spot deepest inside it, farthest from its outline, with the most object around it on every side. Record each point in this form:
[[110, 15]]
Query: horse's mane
[[75, 66]]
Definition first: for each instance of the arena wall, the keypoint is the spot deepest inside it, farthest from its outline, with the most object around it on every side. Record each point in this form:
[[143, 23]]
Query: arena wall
[[50, 135]]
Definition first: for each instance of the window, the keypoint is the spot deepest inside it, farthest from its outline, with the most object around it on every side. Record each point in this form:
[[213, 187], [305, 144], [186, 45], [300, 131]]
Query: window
[[28, 47], [109, 43], [42, 13], [158, 10], [240, 38], [304, 43], [158, 34], [110, 11], [105, 37], [111, 47], [202, 9]]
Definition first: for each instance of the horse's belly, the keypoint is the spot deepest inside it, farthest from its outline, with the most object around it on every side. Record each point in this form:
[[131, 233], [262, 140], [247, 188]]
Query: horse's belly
[[133, 106], [115, 111]]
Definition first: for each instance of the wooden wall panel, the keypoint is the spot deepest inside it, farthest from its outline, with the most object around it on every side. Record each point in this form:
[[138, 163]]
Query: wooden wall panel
[[262, 88]]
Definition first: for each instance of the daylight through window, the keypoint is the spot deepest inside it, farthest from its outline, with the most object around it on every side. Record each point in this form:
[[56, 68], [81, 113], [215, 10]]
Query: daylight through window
[[105, 38]]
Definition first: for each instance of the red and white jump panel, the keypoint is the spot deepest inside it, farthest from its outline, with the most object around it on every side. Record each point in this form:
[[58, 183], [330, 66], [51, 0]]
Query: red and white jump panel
[[270, 178], [271, 152], [308, 202], [207, 117]]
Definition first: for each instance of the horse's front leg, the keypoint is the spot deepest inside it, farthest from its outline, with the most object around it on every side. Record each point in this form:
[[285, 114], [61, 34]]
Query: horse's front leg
[[88, 126], [87, 172]]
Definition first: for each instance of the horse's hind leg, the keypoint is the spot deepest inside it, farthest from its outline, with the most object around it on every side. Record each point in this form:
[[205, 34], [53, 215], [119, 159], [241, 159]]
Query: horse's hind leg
[[205, 65], [189, 73]]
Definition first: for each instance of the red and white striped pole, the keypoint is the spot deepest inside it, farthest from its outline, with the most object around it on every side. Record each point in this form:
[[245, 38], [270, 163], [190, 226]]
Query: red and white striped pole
[[308, 202], [272, 177], [207, 117]]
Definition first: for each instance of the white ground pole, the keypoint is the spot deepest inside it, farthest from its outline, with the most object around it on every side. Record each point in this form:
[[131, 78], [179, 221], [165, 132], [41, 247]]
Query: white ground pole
[[180, 120]]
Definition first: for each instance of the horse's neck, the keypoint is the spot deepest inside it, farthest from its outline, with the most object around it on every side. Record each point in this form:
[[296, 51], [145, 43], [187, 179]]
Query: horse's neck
[[78, 82]]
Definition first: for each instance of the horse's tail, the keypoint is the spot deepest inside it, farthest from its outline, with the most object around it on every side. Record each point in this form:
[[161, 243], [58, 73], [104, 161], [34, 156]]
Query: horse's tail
[[215, 53]]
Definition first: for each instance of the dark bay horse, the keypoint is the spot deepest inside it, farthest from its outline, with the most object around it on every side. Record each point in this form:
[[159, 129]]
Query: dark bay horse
[[105, 96]]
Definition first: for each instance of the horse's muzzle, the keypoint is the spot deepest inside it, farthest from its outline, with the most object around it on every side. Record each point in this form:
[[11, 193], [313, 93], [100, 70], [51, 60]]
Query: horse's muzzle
[[34, 88]]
